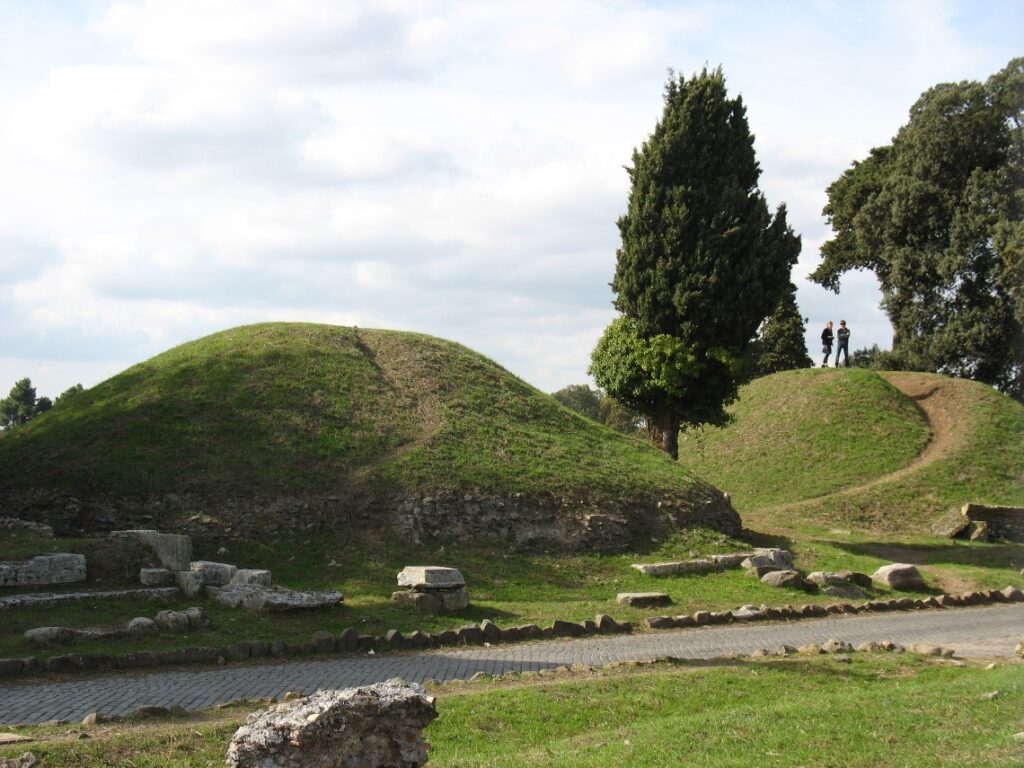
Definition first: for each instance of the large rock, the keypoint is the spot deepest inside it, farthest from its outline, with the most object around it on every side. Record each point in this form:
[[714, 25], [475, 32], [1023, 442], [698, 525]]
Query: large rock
[[61, 568], [845, 591], [272, 599], [376, 726], [782, 579], [173, 550], [430, 577], [142, 625], [900, 576]]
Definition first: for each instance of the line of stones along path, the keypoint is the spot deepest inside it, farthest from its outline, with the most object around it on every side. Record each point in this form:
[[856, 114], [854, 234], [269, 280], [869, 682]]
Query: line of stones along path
[[987, 631]]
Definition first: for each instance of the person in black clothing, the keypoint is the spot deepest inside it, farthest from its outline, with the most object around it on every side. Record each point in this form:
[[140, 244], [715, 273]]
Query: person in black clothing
[[843, 346], [826, 343]]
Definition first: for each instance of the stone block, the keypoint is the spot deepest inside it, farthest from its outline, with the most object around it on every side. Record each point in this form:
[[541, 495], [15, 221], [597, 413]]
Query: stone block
[[11, 667], [214, 574], [189, 582], [173, 621], [426, 602], [430, 576], [50, 636], [660, 622], [155, 577], [605, 623], [901, 576], [492, 633], [324, 642], [141, 625], [455, 600], [471, 635], [173, 550], [198, 618], [567, 629], [376, 725], [238, 651], [643, 599], [348, 640], [448, 637], [271, 599], [757, 571], [257, 576]]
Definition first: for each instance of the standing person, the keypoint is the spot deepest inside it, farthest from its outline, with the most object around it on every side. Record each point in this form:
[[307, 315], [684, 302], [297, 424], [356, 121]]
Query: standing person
[[843, 345], [826, 343]]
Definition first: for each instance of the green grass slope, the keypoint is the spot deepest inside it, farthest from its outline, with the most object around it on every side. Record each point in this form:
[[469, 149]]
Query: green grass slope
[[807, 433], [983, 463], [314, 409]]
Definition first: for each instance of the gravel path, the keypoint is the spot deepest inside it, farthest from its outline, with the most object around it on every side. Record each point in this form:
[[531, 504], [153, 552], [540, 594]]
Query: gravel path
[[986, 631]]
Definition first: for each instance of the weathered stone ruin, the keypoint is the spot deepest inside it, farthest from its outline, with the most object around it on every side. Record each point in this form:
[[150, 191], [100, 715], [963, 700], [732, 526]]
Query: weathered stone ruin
[[60, 568], [432, 589], [375, 726], [984, 522]]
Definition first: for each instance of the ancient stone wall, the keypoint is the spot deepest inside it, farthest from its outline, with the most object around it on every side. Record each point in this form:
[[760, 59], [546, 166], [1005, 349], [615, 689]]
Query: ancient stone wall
[[521, 521], [1001, 522]]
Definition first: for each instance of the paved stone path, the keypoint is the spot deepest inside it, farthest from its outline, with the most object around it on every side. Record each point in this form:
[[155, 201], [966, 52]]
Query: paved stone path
[[978, 631]]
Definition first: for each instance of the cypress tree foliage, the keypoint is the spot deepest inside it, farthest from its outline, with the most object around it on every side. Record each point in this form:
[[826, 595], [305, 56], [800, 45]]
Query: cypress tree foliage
[[938, 216], [702, 263], [780, 344]]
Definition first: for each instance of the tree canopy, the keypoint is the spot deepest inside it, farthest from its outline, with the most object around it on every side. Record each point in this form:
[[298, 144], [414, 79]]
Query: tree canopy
[[937, 216], [600, 407], [21, 405], [780, 344], [702, 263]]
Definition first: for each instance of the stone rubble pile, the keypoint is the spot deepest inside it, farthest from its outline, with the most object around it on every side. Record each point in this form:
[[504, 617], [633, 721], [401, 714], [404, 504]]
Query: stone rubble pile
[[169, 621], [374, 726], [432, 589], [224, 583]]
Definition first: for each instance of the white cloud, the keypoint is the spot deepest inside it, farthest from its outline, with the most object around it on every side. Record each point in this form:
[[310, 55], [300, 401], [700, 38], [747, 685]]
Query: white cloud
[[173, 167]]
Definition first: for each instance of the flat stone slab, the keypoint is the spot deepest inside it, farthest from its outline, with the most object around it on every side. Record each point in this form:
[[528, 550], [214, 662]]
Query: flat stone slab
[[709, 564], [273, 599], [13, 738], [56, 598], [643, 599], [431, 577]]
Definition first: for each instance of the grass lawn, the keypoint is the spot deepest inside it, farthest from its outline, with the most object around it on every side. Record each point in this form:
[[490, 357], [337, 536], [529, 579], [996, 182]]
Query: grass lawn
[[896, 711], [507, 588]]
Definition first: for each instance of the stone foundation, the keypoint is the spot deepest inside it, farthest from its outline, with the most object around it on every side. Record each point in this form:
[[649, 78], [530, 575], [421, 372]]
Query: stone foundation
[[518, 520], [42, 570]]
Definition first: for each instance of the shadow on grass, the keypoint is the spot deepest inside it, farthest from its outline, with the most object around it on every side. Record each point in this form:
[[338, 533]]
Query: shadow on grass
[[995, 556]]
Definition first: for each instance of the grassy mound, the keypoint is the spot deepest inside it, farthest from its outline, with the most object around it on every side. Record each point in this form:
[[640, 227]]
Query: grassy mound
[[315, 409], [807, 433]]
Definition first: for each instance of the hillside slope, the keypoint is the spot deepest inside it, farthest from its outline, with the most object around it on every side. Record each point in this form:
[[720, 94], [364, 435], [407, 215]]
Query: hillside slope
[[360, 417], [889, 452]]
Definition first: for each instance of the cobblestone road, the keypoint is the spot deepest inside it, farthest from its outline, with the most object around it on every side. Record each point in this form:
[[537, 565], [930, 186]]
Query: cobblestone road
[[973, 631]]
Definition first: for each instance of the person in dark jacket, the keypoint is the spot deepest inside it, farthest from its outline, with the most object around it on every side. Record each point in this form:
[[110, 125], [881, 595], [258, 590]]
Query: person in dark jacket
[[826, 343], [843, 344]]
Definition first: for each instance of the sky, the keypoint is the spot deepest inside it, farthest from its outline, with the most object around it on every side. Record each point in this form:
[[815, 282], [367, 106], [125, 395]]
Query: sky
[[173, 168]]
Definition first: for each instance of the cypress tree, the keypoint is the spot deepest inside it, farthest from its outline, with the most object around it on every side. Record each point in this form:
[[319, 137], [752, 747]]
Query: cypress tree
[[702, 263]]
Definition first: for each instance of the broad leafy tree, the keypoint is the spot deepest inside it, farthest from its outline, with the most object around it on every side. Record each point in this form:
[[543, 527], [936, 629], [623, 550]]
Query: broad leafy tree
[[21, 405], [702, 263], [596, 405], [937, 216]]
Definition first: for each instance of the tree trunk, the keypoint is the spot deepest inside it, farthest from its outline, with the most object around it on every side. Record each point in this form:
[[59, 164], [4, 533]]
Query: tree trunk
[[664, 431]]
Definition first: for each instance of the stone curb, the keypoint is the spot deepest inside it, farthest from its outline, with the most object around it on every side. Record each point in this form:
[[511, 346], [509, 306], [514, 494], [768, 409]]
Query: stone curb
[[486, 633]]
